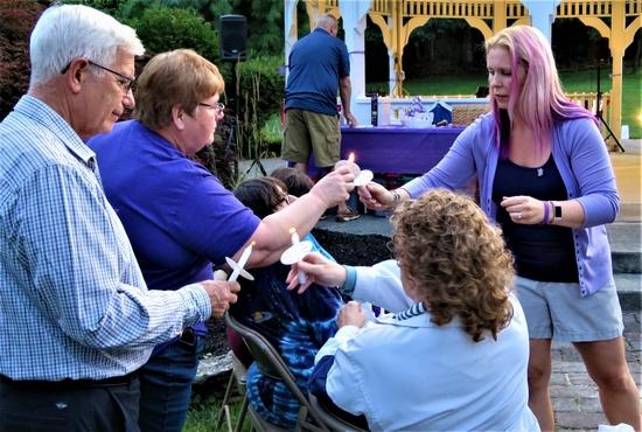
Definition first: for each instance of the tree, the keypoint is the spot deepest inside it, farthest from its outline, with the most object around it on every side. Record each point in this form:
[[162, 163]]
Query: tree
[[162, 28]]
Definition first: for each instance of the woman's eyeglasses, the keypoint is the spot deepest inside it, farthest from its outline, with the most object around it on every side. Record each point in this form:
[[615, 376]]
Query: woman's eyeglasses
[[218, 106]]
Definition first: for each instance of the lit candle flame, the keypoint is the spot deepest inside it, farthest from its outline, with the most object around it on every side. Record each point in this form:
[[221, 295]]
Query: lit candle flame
[[351, 157]]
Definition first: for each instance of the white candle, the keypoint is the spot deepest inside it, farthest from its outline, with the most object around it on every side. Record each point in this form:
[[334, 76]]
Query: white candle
[[241, 264], [350, 160], [295, 236], [296, 240]]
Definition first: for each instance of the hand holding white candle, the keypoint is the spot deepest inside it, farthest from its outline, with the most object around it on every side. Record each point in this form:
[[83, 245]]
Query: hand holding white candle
[[296, 252], [349, 161], [238, 268], [361, 177]]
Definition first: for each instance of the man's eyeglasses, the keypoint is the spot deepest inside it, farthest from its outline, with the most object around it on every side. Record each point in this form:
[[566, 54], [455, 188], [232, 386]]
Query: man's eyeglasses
[[126, 83], [218, 106]]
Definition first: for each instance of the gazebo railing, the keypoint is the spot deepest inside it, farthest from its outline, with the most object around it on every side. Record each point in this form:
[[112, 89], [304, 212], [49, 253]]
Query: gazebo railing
[[589, 100]]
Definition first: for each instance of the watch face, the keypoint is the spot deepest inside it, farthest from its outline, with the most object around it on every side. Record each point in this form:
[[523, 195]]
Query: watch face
[[558, 211]]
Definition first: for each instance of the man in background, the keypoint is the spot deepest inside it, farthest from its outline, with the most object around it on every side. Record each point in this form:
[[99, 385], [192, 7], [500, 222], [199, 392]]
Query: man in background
[[319, 67]]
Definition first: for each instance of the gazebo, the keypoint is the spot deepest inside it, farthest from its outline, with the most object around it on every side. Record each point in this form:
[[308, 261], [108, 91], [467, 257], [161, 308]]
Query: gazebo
[[616, 20]]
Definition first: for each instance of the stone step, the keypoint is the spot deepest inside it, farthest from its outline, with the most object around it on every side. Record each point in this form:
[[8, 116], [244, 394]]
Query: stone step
[[629, 290], [630, 212], [626, 246]]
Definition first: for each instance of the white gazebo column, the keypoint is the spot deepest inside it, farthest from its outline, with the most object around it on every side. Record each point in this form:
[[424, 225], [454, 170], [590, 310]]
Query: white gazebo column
[[291, 31], [542, 13], [354, 15], [392, 64]]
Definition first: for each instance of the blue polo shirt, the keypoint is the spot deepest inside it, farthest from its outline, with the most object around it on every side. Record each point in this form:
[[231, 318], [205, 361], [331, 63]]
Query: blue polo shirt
[[317, 62], [178, 217]]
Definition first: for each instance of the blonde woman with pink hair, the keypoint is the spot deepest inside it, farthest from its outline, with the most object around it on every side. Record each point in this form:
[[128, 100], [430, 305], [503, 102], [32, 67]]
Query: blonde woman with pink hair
[[545, 177]]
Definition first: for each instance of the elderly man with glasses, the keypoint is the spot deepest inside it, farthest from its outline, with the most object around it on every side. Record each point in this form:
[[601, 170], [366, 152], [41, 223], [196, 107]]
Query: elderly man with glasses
[[77, 319], [179, 217]]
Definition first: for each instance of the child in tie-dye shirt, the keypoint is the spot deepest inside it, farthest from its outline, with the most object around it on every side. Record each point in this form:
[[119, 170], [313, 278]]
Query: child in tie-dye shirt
[[297, 325]]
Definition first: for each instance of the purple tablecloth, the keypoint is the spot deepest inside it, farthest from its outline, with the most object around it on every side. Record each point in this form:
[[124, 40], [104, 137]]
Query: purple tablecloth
[[393, 149]]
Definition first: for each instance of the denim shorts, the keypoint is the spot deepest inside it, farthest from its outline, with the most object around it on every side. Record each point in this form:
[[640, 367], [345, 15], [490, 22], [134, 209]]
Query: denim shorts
[[556, 310]]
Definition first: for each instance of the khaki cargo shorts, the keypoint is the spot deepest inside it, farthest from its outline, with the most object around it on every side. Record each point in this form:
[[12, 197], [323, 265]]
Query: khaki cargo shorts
[[306, 132]]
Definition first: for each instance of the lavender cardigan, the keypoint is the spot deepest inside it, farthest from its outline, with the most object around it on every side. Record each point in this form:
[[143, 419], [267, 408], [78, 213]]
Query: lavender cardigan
[[582, 160]]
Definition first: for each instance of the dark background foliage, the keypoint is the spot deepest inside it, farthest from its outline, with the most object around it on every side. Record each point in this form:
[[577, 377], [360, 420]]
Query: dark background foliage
[[17, 19], [163, 28], [440, 47]]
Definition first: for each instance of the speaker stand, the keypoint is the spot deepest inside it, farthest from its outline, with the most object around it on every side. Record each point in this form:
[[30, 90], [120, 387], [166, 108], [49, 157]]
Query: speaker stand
[[257, 156], [598, 110], [257, 162]]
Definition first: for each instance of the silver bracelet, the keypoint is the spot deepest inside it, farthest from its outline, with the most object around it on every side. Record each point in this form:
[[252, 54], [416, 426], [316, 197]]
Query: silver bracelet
[[396, 197]]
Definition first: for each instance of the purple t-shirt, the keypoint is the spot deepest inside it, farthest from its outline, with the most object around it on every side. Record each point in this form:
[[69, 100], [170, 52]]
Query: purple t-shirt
[[178, 216]]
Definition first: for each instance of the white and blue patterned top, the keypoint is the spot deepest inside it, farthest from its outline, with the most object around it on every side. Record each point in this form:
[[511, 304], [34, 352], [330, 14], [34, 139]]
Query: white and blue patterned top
[[73, 302]]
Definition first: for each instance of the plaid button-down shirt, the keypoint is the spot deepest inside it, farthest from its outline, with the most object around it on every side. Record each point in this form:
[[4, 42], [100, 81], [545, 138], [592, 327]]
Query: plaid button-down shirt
[[73, 302]]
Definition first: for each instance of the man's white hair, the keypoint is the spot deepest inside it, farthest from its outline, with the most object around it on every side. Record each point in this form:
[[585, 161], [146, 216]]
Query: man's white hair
[[327, 21], [67, 32]]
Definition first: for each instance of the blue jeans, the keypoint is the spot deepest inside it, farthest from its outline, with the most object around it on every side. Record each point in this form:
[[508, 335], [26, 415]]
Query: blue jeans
[[166, 386]]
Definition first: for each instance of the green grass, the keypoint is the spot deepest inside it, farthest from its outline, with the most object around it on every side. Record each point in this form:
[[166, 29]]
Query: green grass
[[272, 132], [202, 415], [582, 81]]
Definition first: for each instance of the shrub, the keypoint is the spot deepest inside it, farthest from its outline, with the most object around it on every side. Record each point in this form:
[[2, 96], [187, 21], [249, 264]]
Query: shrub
[[163, 29], [260, 96], [271, 84], [18, 18], [272, 132]]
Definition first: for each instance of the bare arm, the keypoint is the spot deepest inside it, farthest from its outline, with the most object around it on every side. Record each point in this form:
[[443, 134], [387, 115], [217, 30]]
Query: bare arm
[[272, 235], [528, 211], [345, 90]]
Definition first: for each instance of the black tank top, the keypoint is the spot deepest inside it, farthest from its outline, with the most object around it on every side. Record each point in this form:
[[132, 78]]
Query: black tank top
[[542, 252]]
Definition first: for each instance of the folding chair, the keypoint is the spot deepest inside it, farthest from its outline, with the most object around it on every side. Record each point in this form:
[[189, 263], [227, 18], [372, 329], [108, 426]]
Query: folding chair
[[237, 377], [331, 420], [271, 364]]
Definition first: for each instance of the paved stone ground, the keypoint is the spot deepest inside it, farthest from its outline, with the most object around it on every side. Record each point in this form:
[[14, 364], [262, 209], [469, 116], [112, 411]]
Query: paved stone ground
[[575, 397]]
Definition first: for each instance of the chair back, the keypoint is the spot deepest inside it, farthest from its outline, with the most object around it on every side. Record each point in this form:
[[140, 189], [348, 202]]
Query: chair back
[[334, 422], [272, 364]]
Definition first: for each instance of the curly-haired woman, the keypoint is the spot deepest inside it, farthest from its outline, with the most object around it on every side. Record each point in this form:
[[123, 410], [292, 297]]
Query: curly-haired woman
[[456, 357]]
